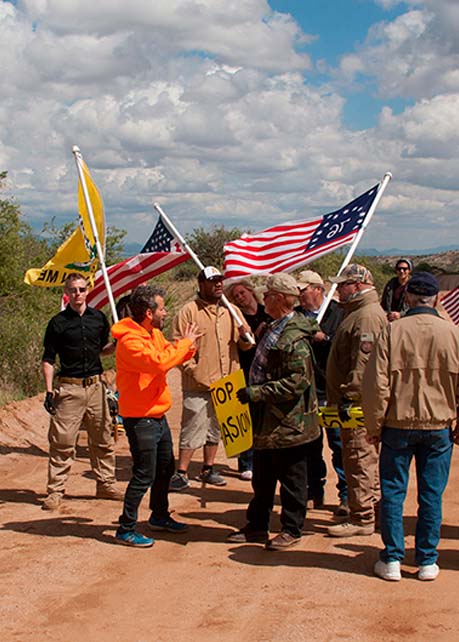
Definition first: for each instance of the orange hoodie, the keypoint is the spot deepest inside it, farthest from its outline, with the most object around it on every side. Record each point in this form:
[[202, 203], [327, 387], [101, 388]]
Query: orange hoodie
[[142, 362]]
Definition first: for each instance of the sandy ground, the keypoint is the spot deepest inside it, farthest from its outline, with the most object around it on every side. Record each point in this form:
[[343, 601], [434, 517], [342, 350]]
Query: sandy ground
[[65, 579]]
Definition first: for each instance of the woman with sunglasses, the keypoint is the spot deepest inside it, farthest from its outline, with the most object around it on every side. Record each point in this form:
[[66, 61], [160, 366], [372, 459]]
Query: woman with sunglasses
[[393, 298]]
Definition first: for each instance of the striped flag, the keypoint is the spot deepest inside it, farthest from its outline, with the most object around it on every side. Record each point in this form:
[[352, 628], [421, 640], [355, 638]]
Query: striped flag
[[288, 246], [160, 253], [451, 304]]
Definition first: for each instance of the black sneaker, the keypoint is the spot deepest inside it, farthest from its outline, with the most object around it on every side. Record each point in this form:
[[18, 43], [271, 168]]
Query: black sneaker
[[209, 477], [178, 482]]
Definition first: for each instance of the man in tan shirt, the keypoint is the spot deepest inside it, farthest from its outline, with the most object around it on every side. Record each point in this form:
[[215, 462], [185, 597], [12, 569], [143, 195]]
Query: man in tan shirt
[[216, 357], [363, 321], [410, 395]]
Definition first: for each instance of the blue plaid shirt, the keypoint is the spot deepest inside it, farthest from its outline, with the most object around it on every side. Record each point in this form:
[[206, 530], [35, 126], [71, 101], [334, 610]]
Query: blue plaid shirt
[[270, 338]]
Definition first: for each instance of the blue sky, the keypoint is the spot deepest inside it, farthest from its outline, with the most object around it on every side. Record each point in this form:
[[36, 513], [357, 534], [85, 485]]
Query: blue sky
[[236, 112]]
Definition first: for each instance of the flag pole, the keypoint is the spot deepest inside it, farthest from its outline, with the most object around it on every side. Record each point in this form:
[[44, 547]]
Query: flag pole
[[384, 183], [201, 266], [100, 253]]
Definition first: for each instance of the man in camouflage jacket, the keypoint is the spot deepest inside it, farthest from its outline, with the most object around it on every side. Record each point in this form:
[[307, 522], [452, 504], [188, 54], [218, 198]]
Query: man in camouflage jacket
[[283, 404]]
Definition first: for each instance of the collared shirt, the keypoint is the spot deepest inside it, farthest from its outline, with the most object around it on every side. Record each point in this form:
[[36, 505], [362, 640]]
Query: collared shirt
[[257, 373], [77, 340]]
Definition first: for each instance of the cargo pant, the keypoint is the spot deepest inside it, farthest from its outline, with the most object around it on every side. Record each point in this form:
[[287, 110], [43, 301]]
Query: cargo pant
[[76, 407], [360, 463]]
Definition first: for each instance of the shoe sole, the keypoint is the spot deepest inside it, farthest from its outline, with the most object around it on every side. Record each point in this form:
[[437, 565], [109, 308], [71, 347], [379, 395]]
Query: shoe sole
[[121, 541], [168, 530], [361, 534], [203, 481], [273, 547], [387, 578]]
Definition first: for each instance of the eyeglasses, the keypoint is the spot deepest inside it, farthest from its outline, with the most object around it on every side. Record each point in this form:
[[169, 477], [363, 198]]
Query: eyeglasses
[[77, 290], [402, 269]]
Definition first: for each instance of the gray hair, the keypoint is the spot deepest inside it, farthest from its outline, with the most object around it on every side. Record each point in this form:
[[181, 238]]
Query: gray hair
[[420, 299]]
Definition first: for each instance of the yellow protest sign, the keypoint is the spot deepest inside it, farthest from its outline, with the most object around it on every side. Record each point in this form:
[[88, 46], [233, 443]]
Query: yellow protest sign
[[233, 417], [329, 418]]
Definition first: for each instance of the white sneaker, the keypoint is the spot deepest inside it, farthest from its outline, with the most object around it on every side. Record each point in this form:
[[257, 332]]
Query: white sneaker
[[246, 475], [388, 570], [428, 572]]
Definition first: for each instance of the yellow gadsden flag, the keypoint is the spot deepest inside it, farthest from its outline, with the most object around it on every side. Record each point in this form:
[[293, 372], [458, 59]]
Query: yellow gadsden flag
[[78, 253]]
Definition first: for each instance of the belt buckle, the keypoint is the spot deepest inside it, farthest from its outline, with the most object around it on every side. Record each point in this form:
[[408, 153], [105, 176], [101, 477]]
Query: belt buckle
[[88, 381]]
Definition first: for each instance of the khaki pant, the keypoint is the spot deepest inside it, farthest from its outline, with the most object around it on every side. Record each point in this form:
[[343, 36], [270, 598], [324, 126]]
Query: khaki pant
[[77, 407], [360, 463]]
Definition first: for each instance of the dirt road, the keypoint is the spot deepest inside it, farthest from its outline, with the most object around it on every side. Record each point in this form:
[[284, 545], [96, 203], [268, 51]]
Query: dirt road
[[65, 579]]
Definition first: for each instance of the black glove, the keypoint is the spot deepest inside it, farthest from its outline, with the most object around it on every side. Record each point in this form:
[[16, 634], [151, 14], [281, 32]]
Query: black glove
[[112, 403], [243, 395], [344, 407], [49, 403]]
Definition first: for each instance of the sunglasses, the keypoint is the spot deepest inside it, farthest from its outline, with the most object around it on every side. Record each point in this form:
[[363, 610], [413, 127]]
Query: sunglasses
[[402, 269], [77, 290]]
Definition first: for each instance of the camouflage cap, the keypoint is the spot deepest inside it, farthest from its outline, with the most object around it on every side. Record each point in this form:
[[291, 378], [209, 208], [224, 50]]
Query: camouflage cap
[[283, 283], [309, 277], [354, 272]]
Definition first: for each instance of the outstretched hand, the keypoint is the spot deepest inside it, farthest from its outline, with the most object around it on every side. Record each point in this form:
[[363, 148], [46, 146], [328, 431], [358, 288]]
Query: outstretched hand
[[192, 332]]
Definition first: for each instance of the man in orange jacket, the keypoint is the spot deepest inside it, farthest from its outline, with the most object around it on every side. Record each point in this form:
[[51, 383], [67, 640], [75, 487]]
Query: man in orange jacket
[[143, 358]]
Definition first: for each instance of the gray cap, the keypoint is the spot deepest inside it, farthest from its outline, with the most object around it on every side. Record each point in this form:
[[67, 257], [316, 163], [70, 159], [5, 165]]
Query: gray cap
[[283, 283], [354, 272]]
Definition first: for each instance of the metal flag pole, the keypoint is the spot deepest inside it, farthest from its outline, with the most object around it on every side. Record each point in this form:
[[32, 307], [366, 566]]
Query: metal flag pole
[[100, 253], [384, 183], [201, 266]]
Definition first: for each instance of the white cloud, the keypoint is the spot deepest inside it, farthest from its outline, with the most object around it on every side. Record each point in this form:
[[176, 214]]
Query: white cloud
[[204, 105]]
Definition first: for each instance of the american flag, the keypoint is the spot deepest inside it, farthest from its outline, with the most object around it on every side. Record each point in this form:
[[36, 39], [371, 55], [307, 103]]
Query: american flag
[[285, 247], [160, 253], [451, 304]]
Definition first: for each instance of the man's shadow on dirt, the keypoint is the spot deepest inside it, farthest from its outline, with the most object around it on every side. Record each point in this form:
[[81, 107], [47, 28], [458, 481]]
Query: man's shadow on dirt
[[64, 526]]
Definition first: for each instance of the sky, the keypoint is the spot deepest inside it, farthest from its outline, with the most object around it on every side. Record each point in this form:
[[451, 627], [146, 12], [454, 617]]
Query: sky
[[243, 113]]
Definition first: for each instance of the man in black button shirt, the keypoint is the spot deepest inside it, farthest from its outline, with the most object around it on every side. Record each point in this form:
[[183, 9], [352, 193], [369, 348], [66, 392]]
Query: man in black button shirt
[[78, 336]]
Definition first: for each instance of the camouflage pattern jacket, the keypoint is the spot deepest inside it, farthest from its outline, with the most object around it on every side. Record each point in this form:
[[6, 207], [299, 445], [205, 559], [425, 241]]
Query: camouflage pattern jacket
[[284, 408]]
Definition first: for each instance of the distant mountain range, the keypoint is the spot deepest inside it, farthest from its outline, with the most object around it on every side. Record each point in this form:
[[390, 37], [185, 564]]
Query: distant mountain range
[[395, 251]]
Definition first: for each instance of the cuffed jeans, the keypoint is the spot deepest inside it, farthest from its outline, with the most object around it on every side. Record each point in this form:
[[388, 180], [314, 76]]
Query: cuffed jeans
[[289, 467], [432, 450], [150, 442]]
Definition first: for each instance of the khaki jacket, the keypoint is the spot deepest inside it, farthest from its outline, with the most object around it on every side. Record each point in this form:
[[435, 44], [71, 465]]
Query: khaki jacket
[[412, 376], [363, 321], [217, 351]]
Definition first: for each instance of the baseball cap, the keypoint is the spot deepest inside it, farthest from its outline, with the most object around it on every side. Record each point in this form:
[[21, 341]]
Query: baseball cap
[[283, 283], [209, 273], [309, 277], [423, 283], [353, 272]]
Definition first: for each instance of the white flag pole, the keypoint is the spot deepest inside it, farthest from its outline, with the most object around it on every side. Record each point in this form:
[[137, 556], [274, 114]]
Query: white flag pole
[[100, 253], [384, 183], [201, 266]]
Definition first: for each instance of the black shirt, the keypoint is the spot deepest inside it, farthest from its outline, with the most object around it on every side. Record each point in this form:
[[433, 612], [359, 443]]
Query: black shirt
[[78, 340]]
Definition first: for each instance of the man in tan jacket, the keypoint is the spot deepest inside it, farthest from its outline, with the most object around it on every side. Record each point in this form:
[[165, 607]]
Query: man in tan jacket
[[216, 357], [363, 321], [410, 396]]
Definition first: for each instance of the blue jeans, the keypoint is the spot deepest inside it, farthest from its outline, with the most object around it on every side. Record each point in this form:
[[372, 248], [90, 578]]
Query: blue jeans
[[432, 450], [150, 442], [245, 460]]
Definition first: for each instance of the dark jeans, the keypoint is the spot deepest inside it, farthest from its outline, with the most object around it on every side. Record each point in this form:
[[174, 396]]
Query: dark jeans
[[245, 460], [150, 442], [317, 468], [289, 467], [432, 450]]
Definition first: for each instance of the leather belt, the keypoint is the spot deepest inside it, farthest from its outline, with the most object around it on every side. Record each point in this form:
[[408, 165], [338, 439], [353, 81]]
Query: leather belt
[[85, 382]]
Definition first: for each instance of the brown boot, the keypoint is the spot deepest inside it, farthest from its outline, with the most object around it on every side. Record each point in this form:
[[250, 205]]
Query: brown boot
[[52, 502], [109, 491]]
